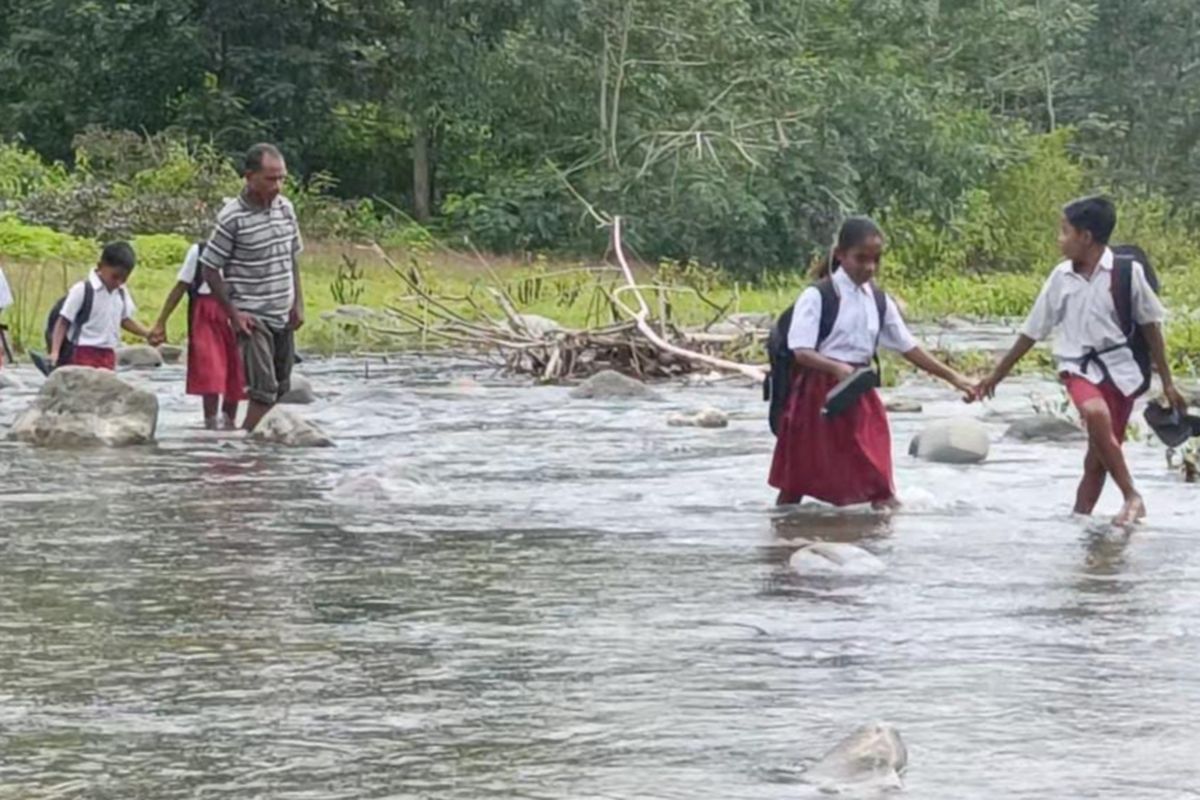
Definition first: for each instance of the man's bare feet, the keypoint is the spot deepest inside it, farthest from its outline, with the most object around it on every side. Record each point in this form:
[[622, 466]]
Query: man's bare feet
[[1133, 511]]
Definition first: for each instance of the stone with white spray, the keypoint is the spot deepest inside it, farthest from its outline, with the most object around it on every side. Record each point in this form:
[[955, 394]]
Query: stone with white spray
[[834, 558], [874, 754]]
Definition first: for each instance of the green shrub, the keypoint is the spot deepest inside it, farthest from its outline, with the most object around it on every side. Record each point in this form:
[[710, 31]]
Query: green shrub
[[37, 242]]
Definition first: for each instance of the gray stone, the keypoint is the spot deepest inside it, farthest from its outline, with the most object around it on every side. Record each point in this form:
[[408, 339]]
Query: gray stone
[[171, 353], [536, 326], [960, 440], [284, 427], [80, 406], [1044, 428], [873, 754], [139, 356], [300, 392], [706, 418], [834, 558], [10, 382], [899, 406], [610, 385]]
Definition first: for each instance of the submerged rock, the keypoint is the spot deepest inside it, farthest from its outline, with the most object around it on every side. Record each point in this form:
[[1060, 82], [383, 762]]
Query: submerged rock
[[81, 406], [874, 754], [300, 392], [1044, 428], [835, 558], [898, 406], [171, 353], [610, 385], [139, 356], [284, 427], [706, 418], [960, 440]]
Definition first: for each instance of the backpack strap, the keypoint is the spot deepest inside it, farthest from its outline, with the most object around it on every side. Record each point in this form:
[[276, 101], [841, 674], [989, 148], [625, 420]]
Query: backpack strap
[[1122, 293], [830, 304], [881, 307], [85, 311]]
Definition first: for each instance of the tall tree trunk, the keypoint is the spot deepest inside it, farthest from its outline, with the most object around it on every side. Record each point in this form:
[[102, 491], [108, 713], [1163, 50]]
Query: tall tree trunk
[[422, 173]]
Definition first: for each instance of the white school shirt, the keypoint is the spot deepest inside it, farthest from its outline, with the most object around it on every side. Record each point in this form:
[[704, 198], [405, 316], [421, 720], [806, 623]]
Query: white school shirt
[[1082, 314], [6, 298], [187, 273], [109, 310], [852, 338]]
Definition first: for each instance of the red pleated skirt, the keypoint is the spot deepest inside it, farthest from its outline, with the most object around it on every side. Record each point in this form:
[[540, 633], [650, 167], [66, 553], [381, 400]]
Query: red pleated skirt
[[214, 365], [96, 357], [842, 460]]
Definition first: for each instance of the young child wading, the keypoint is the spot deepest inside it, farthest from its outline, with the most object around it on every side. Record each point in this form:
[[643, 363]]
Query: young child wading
[[214, 366], [95, 311], [847, 458], [1092, 349]]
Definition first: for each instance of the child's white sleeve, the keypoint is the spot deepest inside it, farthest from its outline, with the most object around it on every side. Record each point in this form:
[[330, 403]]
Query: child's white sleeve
[[1147, 308], [1040, 322], [6, 298], [806, 320], [895, 335], [130, 306], [191, 262], [73, 303]]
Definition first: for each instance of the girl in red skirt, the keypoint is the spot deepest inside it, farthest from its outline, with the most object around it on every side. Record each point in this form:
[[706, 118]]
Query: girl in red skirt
[[214, 366], [847, 458]]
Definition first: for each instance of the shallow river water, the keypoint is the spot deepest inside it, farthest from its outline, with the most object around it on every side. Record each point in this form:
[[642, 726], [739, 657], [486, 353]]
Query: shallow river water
[[488, 590]]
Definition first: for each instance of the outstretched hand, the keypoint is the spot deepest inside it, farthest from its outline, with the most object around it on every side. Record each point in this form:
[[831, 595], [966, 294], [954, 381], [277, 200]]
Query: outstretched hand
[[964, 385], [986, 388]]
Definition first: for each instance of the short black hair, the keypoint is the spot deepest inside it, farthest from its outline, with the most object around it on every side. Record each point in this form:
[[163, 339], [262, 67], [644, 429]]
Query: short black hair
[[253, 161], [119, 255], [1096, 214]]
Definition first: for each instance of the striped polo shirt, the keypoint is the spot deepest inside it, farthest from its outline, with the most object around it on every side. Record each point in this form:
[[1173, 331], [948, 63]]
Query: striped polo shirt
[[254, 248]]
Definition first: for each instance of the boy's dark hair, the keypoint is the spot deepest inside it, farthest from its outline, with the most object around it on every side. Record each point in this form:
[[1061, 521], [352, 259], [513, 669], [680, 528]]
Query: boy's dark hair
[[253, 161], [854, 231], [1096, 214], [119, 255]]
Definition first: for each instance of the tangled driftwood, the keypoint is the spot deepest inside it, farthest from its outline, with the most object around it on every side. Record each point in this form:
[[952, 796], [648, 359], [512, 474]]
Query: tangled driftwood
[[637, 342]]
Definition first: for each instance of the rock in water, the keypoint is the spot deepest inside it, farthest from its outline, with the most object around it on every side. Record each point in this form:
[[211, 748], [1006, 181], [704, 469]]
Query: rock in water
[[536, 326], [171, 353], [708, 418], [140, 356], [284, 427], [10, 382], [904, 406], [874, 753], [1044, 428], [610, 385], [961, 440], [834, 558], [80, 406], [300, 392]]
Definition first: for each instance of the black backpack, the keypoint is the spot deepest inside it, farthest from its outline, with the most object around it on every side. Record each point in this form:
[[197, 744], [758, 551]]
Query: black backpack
[[778, 383], [1124, 257], [81, 318]]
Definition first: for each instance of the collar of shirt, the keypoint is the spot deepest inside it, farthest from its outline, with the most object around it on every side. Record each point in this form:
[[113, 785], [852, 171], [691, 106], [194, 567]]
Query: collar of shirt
[[251, 205], [97, 284], [844, 283], [1105, 264]]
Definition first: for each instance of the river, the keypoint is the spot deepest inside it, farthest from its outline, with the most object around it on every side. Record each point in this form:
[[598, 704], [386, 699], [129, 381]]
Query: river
[[489, 590]]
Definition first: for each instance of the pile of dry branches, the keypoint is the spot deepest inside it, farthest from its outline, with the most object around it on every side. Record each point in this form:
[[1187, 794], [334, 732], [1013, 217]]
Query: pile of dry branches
[[637, 342]]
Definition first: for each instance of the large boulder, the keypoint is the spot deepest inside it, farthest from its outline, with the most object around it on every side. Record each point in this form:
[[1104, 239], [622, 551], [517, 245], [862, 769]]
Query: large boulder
[[1044, 428], [706, 418], [300, 391], [960, 440], [874, 754], [610, 385], [139, 356], [81, 406], [834, 558], [284, 427]]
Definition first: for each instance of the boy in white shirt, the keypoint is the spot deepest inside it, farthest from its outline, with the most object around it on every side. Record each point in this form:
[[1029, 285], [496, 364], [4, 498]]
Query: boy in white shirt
[[94, 342], [1091, 349]]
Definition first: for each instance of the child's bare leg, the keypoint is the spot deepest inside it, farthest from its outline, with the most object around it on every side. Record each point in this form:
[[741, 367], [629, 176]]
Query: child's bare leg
[[229, 409], [1100, 438], [785, 499], [1092, 483], [210, 410]]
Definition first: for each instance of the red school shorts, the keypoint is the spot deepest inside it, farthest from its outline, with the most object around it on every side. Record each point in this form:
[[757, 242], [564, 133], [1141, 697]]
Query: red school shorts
[[1120, 407]]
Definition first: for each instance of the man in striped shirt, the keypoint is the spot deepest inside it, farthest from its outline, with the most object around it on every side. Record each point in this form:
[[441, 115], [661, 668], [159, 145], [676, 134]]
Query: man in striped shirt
[[250, 263]]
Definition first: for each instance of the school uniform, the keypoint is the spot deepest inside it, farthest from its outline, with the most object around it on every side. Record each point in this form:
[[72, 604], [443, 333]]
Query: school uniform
[[1081, 312], [214, 365], [97, 340], [6, 300], [845, 459]]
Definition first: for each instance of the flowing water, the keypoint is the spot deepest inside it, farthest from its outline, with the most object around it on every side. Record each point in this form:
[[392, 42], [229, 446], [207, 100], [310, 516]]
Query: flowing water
[[489, 590]]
